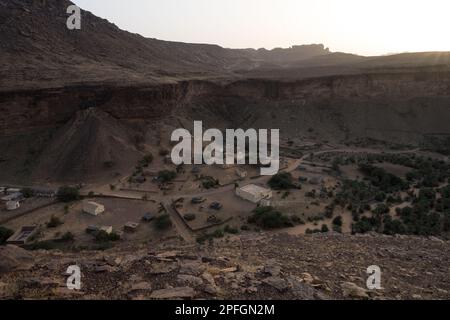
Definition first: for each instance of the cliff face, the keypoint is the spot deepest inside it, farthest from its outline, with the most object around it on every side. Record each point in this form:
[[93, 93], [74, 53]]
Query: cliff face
[[23, 111]]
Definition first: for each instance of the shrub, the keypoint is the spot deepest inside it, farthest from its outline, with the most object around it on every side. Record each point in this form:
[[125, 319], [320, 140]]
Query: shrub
[[269, 218], [163, 222], [281, 181], [337, 228], [5, 233], [103, 236], [297, 220], [231, 230], [166, 175], [54, 222], [27, 192], [392, 227], [42, 245], [209, 182], [68, 194], [189, 216], [146, 160], [337, 221], [67, 237], [324, 228]]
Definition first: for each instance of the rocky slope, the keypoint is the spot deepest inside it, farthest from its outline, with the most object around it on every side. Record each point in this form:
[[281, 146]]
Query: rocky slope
[[253, 266]]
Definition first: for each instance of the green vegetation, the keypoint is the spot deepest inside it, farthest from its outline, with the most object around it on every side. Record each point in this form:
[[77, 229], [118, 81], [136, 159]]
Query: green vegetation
[[42, 245], [218, 233], [166, 176], [231, 230], [103, 236], [54, 222], [383, 180], [281, 181], [209, 182], [337, 221], [366, 224], [68, 194], [189, 216], [269, 218], [355, 194], [163, 222], [146, 160], [297, 220], [27, 192], [67, 237], [5, 233]]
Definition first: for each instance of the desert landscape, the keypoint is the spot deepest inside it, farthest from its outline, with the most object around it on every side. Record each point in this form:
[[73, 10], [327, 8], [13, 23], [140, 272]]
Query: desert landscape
[[86, 175]]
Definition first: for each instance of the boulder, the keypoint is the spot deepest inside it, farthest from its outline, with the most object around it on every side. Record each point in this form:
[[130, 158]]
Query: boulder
[[173, 293], [186, 279], [13, 257], [351, 290], [277, 283]]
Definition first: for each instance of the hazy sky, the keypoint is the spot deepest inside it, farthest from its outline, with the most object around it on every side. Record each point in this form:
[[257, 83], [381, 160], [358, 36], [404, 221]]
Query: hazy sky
[[366, 27]]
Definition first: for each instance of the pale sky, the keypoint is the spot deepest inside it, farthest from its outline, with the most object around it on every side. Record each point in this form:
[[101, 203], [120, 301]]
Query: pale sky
[[367, 27]]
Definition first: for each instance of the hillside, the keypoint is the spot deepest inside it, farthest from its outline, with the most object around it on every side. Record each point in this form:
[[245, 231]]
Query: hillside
[[50, 75], [250, 267]]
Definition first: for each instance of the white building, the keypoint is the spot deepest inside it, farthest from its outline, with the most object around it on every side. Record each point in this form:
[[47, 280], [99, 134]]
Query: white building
[[12, 205], [93, 208], [17, 196], [254, 193], [107, 229]]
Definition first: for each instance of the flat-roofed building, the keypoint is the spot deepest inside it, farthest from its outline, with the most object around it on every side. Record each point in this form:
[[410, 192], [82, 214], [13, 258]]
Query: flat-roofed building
[[254, 193], [16, 196], [93, 208], [23, 235], [12, 205]]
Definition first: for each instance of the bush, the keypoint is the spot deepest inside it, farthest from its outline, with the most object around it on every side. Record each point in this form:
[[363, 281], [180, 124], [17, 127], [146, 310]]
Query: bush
[[392, 227], [166, 175], [297, 220], [324, 228], [68, 194], [387, 182], [145, 162], [231, 230], [42, 245], [337, 221], [281, 181], [209, 182], [103, 236], [337, 228], [5, 233], [269, 218], [54, 222], [27, 192], [163, 222], [67, 237], [189, 216]]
